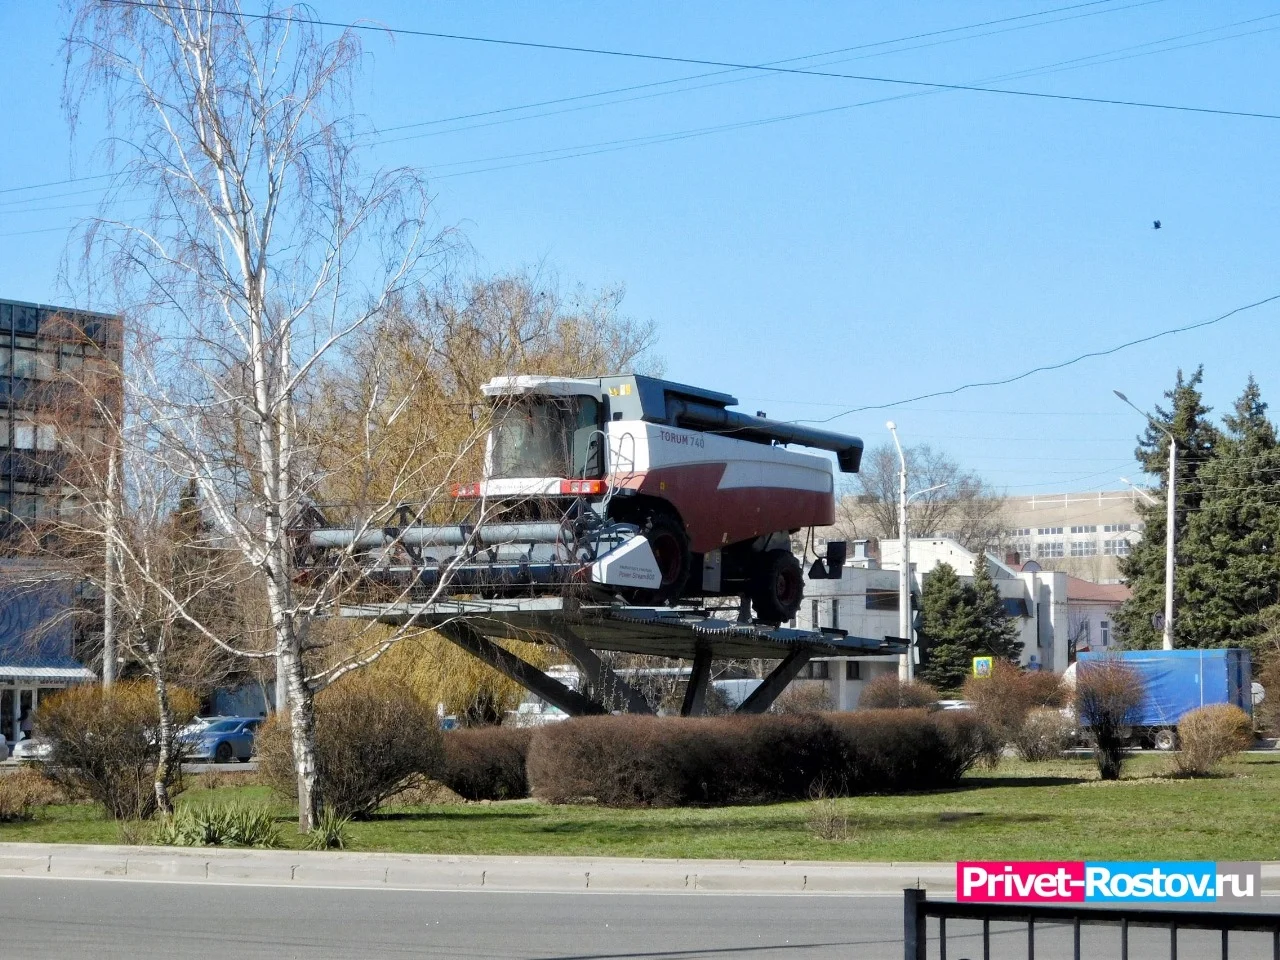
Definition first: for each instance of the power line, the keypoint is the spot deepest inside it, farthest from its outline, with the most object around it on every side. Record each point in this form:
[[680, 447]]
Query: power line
[[609, 146], [724, 64], [659, 83], [1045, 368], [755, 76]]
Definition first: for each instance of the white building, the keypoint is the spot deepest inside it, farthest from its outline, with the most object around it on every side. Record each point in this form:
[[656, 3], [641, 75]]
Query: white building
[[864, 602]]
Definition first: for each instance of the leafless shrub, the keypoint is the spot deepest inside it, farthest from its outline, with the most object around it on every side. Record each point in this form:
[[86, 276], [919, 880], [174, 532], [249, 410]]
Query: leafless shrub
[[1044, 735], [887, 692], [633, 761], [1010, 693], [373, 739], [1210, 735], [25, 792], [486, 763], [804, 697], [104, 743], [1108, 695], [826, 818]]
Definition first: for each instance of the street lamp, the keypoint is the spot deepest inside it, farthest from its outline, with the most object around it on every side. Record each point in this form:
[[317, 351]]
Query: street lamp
[[1169, 531], [906, 663]]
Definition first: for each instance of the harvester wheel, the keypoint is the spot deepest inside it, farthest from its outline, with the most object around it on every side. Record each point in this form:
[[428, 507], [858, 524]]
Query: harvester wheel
[[777, 586], [669, 542]]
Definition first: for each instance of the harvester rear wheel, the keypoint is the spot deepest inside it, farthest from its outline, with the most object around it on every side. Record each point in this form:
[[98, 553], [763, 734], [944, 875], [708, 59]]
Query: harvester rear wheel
[[777, 586]]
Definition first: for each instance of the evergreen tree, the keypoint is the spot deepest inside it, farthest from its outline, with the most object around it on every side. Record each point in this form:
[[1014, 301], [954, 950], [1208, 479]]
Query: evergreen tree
[[1187, 418], [1001, 633], [958, 622], [1229, 572]]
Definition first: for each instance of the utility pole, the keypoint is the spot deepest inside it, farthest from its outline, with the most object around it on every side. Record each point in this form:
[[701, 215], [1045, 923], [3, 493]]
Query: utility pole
[[906, 664], [1170, 531]]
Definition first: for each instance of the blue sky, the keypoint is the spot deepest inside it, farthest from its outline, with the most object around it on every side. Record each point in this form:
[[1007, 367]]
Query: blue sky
[[845, 259]]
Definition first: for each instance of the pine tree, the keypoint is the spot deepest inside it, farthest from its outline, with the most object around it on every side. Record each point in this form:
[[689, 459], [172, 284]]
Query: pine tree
[[1229, 572], [1188, 420], [960, 621]]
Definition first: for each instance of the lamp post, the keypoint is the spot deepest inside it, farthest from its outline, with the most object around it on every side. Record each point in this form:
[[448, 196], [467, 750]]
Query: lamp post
[[1169, 530], [907, 662]]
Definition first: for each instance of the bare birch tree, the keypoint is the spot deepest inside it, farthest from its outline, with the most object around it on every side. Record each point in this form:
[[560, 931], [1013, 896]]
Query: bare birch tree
[[264, 246]]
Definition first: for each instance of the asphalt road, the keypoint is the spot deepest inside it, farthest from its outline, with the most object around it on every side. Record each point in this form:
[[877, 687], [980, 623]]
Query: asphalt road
[[46, 918]]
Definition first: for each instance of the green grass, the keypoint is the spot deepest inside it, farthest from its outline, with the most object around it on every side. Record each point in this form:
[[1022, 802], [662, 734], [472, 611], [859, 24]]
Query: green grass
[[1020, 811]]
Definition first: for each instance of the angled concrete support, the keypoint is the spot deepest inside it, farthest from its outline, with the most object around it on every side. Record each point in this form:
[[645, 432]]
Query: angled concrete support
[[611, 690], [764, 695], [695, 694], [521, 671]]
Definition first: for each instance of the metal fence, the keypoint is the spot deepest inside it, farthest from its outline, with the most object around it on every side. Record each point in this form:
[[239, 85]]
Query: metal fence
[[918, 909]]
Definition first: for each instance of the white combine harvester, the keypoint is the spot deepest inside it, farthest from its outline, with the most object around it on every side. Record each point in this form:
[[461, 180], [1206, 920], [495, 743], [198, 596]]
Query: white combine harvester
[[626, 487]]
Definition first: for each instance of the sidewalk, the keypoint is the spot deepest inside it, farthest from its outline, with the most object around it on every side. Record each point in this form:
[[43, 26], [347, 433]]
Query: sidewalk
[[427, 872]]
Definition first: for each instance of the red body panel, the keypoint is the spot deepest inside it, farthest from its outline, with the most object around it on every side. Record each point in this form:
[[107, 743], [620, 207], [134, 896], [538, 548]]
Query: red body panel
[[717, 517]]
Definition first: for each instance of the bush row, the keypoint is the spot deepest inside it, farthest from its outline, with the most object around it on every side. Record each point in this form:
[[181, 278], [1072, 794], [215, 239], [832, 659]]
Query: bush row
[[629, 761]]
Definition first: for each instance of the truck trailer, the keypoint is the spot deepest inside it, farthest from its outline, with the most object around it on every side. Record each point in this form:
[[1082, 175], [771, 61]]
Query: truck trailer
[[1175, 682]]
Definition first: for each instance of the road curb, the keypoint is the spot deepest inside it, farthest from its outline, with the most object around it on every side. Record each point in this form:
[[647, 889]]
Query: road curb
[[479, 873], [484, 873]]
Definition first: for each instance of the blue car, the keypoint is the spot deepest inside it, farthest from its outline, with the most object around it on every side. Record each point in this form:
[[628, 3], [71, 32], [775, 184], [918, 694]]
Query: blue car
[[226, 739]]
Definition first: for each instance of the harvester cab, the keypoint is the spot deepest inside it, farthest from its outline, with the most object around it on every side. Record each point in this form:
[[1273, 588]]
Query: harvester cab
[[631, 488]]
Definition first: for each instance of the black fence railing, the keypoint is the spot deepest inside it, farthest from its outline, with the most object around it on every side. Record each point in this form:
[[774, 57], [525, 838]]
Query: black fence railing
[[918, 909]]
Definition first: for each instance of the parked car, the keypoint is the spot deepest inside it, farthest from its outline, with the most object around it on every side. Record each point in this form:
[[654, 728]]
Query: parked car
[[199, 723], [222, 740], [34, 750]]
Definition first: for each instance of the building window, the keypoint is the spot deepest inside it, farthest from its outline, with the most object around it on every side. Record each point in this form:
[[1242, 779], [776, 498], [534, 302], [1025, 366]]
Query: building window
[[815, 619], [1104, 633], [1117, 528], [1049, 532], [1093, 528], [878, 599], [815, 670], [835, 614], [1049, 550], [852, 670], [1116, 548], [1084, 548], [1024, 532], [24, 363], [24, 436]]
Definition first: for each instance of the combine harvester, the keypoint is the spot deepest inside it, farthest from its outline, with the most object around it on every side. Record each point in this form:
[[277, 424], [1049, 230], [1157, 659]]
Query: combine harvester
[[616, 500]]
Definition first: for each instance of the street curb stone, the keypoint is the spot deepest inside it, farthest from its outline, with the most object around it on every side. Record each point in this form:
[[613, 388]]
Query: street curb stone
[[484, 873]]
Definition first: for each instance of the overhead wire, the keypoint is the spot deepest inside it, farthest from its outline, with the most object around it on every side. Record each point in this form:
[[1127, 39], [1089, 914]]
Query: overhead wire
[[812, 56], [503, 110], [718, 83], [1048, 367], [729, 64]]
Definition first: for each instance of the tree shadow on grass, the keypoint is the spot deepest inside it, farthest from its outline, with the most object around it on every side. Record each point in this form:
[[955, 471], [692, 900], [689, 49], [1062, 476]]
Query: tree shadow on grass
[[986, 783]]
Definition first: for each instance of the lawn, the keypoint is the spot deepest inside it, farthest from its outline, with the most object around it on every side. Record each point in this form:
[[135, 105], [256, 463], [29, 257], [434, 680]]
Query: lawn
[[1020, 811]]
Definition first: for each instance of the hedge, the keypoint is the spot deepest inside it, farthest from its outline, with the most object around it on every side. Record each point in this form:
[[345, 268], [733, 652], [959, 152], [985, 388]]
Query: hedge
[[629, 761], [486, 763]]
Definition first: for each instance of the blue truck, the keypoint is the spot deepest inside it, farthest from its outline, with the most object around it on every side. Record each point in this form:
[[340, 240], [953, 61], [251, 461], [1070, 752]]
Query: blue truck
[[1176, 682]]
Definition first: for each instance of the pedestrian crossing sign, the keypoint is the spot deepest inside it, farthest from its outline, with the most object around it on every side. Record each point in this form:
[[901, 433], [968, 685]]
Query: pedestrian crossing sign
[[982, 666]]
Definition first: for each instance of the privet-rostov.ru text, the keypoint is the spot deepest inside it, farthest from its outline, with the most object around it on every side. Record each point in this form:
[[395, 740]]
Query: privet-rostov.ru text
[[1078, 881]]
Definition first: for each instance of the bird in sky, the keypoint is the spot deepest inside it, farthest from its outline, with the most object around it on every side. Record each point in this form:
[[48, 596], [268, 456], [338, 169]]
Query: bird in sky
[[1155, 224]]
